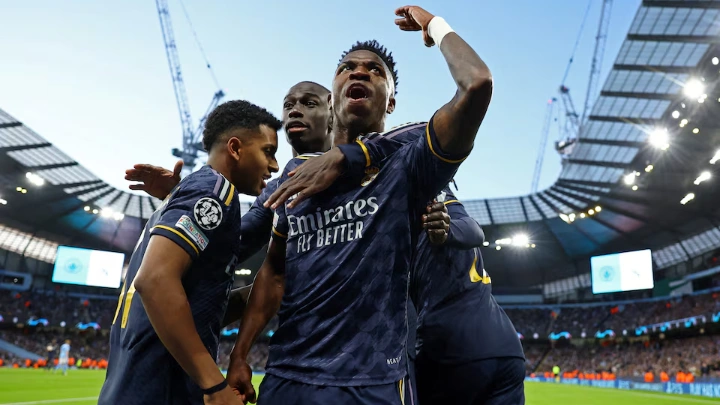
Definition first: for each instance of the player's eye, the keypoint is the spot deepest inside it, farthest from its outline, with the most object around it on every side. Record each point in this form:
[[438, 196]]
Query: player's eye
[[343, 68], [288, 105], [376, 70], [311, 103]]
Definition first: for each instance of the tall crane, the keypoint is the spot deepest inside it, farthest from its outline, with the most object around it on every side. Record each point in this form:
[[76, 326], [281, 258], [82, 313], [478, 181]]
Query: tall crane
[[574, 123], [191, 137], [598, 55], [543, 143]]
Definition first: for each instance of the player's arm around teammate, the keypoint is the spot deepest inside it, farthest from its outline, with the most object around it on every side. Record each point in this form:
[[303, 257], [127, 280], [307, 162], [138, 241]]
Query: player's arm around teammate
[[452, 226], [454, 125]]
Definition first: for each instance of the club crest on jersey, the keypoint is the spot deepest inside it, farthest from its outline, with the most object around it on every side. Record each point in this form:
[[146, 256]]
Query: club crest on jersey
[[441, 197], [208, 213], [370, 174]]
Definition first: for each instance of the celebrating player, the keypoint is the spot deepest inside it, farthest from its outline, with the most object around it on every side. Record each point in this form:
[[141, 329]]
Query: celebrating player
[[337, 267], [163, 349], [468, 350]]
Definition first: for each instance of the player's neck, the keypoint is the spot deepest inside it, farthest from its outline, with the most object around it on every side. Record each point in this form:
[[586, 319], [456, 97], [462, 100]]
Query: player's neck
[[321, 146], [343, 134], [220, 165]]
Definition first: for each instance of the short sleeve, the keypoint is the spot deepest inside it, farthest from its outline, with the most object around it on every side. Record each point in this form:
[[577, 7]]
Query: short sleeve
[[429, 168], [196, 215]]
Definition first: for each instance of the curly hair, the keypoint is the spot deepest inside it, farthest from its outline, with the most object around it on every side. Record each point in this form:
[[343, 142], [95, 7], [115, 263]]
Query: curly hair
[[236, 114], [379, 50]]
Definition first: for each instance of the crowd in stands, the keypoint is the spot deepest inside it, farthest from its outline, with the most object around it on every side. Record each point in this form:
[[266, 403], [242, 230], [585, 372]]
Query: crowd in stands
[[55, 307], [697, 356]]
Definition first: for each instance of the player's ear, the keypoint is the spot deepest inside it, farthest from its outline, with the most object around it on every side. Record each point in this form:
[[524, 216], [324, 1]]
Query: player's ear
[[391, 105], [234, 147]]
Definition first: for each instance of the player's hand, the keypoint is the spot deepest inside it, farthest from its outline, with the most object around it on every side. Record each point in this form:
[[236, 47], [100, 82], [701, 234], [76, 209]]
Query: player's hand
[[436, 223], [223, 397], [239, 378], [154, 180], [414, 18], [311, 177]]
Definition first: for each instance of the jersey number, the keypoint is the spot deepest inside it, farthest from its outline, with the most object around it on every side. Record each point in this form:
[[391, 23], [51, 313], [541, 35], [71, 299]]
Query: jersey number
[[128, 296]]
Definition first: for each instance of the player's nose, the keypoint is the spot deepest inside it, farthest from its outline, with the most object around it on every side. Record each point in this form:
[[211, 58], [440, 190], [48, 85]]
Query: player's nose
[[360, 74], [295, 113]]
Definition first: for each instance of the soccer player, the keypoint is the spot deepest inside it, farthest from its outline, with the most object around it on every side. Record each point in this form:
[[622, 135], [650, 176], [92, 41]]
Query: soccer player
[[64, 358], [468, 351], [163, 345], [337, 267], [50, 348]]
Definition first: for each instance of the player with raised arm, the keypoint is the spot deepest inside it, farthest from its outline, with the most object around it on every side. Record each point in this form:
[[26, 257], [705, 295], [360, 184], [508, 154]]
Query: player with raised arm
[[337, 268], [163, 343]]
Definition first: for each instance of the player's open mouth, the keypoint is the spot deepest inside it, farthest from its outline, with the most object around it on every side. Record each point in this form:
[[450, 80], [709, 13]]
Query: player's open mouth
[[295, 126], [357, 92]]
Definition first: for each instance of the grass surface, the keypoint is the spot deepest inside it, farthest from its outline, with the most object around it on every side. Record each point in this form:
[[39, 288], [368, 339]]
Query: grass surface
[[81, 387]]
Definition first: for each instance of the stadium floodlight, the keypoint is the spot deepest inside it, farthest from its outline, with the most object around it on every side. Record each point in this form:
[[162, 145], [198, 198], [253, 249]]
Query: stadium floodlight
[[106, 213], [87, 209], [676, 114], [694, 88], [3, 201], [598, 208], [715, 158], [243, 272], [683, 122], [696, 131], [532, 245], [629, 178], [520, 240], [118, 216], [498, 247], [687, 198], [649, 168], [564, 218], [591, 212], [35, 179], [634, 188], [659, 138], [715, 60], [504, 241], [702, 177], [486, 243], [582, 215]]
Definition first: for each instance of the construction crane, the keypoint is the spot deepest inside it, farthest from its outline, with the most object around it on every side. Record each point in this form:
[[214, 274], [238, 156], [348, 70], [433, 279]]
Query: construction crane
[[191, 136], [543, 143], [598, 56], [574, 123]]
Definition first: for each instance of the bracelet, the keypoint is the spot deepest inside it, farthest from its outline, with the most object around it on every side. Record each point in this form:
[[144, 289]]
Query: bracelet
[[438, 28], [216, 388]]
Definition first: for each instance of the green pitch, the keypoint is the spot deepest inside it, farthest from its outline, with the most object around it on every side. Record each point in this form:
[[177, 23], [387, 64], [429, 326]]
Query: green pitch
[[81, 387]]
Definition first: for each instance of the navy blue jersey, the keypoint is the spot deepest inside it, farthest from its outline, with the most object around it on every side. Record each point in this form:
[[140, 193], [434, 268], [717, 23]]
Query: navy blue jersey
[[257, 224], [458, 317], [202, 215], [343, 315]]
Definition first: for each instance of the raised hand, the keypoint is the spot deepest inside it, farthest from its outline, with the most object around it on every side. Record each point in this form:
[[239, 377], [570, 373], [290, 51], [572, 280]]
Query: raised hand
[[414, 18], [154, 180]]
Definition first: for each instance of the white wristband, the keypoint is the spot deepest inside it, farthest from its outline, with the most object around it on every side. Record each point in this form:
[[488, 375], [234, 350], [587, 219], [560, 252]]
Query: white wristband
[[438, 28]]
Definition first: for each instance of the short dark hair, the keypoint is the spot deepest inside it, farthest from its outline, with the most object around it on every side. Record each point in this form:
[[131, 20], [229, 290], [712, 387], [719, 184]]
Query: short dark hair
[[236, 114], [314, 84], [379, 50]]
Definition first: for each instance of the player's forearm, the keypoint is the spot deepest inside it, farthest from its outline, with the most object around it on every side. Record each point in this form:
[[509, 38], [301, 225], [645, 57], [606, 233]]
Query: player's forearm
[[465, 233], [263, 304], [236, 305], [169, 312], [456, 134]]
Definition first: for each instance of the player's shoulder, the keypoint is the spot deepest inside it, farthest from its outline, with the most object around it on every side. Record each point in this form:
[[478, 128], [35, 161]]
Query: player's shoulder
[[410, 130], [206, 183]]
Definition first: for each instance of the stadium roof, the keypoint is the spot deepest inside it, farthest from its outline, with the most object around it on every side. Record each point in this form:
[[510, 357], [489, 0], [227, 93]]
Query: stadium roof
[[670, 44], [618, 163]]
